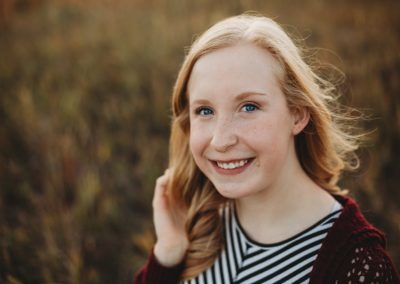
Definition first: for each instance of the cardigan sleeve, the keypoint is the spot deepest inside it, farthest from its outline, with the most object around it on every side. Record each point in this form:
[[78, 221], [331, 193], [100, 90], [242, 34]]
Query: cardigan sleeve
[[155, 273], [367, 264]]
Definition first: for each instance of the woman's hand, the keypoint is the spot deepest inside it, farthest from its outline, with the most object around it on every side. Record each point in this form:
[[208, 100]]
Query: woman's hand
[[169, 223]]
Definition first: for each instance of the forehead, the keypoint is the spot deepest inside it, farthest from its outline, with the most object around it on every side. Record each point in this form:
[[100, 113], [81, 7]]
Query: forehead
[[235, 69]]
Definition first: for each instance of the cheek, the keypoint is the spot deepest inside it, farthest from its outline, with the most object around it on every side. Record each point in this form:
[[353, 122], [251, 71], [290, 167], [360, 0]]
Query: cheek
[[197, 140], [269, 138], [261, 134]]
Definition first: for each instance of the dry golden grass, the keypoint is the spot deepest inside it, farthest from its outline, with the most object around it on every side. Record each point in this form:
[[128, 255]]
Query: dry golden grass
[[84, 121]]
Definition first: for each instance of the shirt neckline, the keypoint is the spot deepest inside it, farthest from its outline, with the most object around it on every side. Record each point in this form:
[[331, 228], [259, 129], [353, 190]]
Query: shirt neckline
[[337, 207]]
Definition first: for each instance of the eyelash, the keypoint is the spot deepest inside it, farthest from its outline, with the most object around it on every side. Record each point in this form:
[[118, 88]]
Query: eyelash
[[252, 105], [200, 111], [206, 111]]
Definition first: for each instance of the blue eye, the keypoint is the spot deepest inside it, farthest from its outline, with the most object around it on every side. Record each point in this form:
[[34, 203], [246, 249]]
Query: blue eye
[[204, 111], [249, 107]]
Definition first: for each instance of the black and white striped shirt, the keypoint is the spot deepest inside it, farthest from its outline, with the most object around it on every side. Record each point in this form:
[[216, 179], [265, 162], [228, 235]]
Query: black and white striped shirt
[[245, 261]]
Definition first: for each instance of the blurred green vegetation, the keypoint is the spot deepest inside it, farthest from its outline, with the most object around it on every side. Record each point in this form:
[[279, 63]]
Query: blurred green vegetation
[[84, 121]]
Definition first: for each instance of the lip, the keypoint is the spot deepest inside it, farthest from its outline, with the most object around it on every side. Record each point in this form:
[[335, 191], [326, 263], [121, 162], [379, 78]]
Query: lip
[[234, 171]]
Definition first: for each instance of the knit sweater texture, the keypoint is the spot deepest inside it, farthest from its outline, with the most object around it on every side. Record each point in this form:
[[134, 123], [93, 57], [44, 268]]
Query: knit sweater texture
[[352, 252]]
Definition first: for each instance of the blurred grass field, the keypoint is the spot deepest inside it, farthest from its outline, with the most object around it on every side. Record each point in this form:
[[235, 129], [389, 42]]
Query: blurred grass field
[[84, 121]]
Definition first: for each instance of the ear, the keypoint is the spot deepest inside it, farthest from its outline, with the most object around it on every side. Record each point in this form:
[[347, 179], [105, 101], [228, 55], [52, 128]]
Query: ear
[[301, 118]]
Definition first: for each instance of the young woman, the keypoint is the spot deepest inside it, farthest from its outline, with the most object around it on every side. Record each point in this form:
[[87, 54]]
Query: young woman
[[256, 151]]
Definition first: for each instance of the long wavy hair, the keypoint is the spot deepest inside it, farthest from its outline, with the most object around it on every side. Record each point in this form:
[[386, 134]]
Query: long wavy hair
[[324, 148]]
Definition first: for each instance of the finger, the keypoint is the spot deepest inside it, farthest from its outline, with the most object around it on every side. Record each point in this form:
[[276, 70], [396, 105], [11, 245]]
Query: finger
[[160, 189], [162, 181]]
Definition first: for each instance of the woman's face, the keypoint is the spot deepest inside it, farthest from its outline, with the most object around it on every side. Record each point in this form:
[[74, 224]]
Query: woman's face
[[241, 130]]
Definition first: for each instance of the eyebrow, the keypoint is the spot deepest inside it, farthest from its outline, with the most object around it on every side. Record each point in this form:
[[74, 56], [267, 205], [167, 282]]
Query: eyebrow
[[245, 95], [239, 97]]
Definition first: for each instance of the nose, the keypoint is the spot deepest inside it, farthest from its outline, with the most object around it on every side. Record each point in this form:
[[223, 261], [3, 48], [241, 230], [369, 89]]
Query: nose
[[224, 135]]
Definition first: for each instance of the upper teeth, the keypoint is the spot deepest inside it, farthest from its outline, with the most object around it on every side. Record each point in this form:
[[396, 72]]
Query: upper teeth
[[232, 165]]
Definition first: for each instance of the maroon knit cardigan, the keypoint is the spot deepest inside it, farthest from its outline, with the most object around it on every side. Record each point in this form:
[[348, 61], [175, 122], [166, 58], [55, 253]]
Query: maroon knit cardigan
[[352, 252]]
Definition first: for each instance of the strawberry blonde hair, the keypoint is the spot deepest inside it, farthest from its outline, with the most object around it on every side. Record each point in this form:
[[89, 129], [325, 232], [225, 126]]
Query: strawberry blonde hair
[[324, 148]]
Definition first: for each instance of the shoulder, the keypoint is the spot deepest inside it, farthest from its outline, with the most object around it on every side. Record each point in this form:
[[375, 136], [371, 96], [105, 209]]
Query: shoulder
[[354, 250], [352, 226]]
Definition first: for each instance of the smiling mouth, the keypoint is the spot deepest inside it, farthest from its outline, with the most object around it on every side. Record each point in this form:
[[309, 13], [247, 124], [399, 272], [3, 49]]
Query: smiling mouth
[[232, 164]]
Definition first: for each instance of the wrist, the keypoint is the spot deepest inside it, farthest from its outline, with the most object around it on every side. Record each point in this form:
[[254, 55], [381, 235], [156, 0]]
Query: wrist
[[170, 255]]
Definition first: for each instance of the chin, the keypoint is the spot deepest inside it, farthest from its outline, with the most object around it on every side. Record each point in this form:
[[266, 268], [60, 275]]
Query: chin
[[232, 193]]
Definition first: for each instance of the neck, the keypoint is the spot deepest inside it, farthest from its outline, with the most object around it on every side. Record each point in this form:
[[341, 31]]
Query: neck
[[284, 209]]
